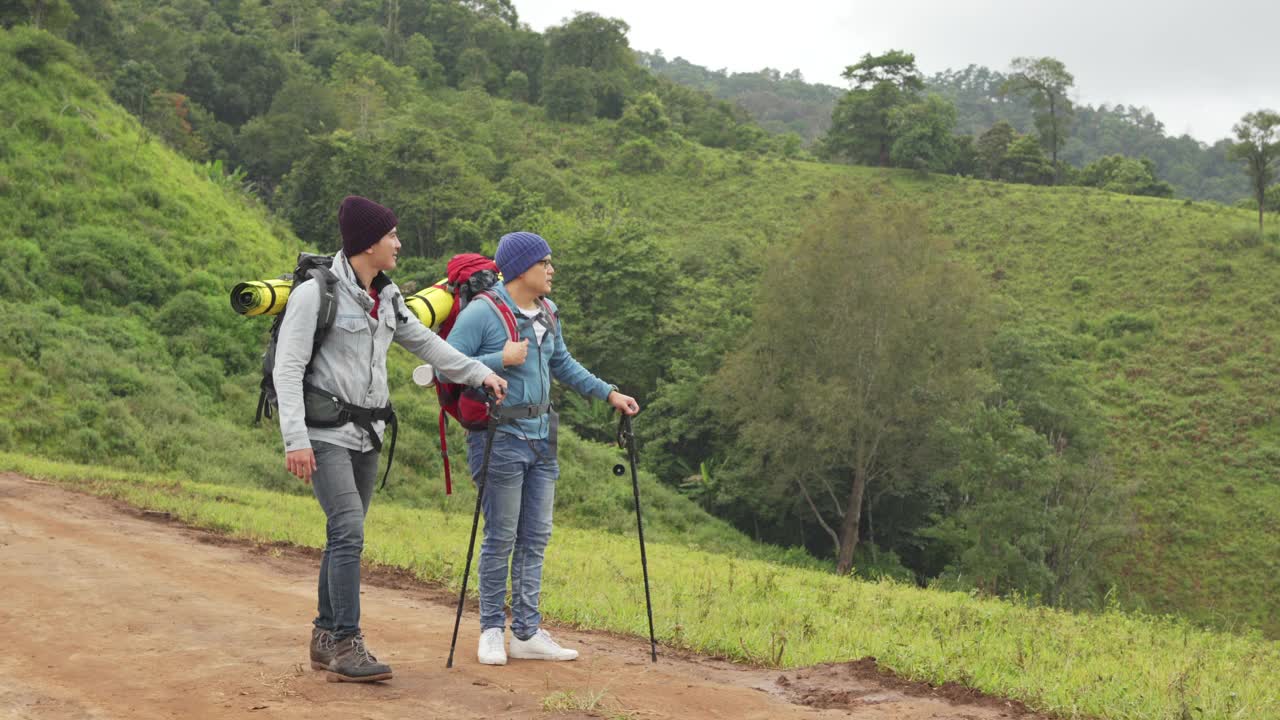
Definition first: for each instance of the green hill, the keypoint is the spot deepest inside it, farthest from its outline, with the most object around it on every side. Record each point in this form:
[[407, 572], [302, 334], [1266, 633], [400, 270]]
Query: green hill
[[122, 352], [118, 342]]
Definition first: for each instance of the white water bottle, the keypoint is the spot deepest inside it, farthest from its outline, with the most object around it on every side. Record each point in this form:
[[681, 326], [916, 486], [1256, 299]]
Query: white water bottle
[[424, 375]]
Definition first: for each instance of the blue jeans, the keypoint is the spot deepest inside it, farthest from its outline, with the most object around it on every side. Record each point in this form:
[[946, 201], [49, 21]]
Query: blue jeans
[[518, 497], [343, 483]]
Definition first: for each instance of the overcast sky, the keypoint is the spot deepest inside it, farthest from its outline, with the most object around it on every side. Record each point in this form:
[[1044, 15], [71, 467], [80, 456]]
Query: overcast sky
[[1199, 66]]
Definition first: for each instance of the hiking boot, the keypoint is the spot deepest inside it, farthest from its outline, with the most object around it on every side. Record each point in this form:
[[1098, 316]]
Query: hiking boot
[[354, 663], [492, 647], [323, 649], [540, 647]]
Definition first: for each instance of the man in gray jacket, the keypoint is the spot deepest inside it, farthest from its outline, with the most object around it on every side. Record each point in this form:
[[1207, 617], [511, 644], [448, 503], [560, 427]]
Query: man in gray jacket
[[341, 463]]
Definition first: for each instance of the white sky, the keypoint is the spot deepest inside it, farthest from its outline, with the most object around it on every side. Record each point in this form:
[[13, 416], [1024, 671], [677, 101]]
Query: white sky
[[1199, 66]]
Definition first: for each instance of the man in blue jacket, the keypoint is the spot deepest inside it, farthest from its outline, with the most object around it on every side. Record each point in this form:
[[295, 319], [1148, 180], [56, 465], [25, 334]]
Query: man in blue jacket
[[519, 490]]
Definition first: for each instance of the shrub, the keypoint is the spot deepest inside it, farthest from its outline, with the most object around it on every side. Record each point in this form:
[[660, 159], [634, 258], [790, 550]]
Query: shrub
[[1122, 323], [640, 156]]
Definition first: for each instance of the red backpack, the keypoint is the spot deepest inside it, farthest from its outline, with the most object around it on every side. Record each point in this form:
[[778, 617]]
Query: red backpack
[[470, 276]]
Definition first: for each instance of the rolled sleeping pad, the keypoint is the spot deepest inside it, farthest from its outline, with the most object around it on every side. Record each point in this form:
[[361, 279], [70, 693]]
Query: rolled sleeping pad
[[432, 305], [261, 297], [268, 297]]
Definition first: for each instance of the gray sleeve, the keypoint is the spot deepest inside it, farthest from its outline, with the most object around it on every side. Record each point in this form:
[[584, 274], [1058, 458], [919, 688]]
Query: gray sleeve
[[293, 352], [448, 361]]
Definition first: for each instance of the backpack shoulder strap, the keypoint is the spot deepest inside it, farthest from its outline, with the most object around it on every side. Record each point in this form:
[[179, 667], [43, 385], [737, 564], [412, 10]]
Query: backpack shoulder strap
[[327, 310], [504, 313], [555, 316]]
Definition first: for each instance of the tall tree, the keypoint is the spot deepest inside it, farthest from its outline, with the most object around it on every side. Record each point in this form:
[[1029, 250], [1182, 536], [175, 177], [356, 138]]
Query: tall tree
[[865, 331], [1047, 81], [598, 46], [1258, 146], [861, 125], [588, 41]]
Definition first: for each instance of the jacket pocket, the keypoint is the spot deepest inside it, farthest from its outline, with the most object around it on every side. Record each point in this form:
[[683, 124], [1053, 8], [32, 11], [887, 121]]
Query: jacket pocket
[[352, 323]]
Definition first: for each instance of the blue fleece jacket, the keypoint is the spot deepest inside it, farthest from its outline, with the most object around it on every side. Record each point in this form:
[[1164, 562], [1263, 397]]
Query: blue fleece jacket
[[480, 334]]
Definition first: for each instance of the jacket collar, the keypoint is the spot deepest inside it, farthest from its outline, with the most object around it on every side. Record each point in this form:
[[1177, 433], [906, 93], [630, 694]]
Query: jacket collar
[[347, 278]]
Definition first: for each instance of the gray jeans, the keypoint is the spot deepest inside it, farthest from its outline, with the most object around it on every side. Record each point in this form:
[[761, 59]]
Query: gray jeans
[[343, 483]]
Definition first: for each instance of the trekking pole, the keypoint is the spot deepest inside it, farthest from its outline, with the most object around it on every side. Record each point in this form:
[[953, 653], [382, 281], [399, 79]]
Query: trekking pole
[[475, 522], [627, 439]]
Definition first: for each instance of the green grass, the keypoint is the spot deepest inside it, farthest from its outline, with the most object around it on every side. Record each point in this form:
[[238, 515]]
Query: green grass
[[1112, 664]]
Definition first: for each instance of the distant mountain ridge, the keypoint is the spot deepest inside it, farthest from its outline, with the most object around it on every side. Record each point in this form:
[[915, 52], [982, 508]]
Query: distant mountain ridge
[[785, 102]]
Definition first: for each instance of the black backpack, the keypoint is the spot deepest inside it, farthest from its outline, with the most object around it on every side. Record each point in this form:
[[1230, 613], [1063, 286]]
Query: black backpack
[[310, 267]]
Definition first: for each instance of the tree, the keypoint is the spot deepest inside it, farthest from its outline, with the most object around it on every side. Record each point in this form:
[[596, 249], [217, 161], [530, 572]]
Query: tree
[[134, 84], [588, 41], [594, 47], [1031, 505], [233, 76], [269, 144], [645, 115], [1272, 200], [895, 67], [1258, 147], [298, 20], [861, 126], [1131, 176], [420, 55], [516, 86], [570, 95], [865, 331], [924, 139], [1047, 81], [52, 15], [965, 162], [1025, 162], [993, 146], [474, 69], [626, 265]]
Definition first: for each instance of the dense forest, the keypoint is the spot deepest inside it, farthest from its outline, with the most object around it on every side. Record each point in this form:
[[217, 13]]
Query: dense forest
[[695, 242]]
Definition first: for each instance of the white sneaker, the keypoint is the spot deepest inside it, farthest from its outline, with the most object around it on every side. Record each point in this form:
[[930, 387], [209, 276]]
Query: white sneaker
[[492, 647], [540, 647]]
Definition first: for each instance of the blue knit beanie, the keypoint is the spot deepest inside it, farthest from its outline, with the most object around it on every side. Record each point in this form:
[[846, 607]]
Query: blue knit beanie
[[517, 252]]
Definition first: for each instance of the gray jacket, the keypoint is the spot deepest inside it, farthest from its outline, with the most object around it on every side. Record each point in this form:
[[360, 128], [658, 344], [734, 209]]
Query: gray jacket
[[352, 360]]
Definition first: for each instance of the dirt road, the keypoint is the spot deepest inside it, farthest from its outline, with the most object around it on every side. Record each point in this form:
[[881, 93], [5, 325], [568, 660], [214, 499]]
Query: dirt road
[[106, 612]]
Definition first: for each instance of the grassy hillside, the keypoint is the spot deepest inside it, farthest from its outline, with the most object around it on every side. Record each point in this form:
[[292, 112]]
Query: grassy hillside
[[1173, 309], [121, 350]]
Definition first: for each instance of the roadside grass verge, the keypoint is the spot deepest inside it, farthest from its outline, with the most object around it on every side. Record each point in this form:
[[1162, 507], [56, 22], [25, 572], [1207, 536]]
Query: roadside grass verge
[[1111, 664]]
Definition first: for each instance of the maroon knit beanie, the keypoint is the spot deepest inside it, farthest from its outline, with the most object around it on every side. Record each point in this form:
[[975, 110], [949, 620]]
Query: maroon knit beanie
[[363, 223]]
